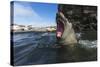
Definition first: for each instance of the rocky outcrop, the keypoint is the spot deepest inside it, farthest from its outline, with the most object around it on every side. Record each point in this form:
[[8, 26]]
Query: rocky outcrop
[[83, 18]]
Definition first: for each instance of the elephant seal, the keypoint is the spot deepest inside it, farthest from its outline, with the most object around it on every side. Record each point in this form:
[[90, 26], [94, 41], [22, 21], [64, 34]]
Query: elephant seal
[[65, 33]]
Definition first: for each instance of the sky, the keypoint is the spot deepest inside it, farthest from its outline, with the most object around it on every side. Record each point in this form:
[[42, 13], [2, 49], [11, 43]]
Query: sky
[[36, 14]]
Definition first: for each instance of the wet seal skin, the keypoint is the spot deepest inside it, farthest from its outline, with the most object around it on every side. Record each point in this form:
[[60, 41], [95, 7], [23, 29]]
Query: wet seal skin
[[65, 33]]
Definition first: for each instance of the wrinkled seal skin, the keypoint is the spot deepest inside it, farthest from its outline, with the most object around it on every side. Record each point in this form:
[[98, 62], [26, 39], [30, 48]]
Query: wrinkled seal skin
[[68, 36]]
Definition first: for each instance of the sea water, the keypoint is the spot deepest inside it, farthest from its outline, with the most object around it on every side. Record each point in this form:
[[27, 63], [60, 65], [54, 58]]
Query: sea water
[[39, 48]]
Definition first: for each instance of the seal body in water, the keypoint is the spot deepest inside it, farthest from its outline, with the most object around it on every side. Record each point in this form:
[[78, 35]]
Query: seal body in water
[[65, 32]]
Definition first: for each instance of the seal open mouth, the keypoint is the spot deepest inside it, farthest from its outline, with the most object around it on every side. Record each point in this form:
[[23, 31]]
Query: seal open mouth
[[60, 29]]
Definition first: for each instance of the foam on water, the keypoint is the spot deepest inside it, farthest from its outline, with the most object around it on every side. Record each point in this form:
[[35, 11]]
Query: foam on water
[[88, 44]]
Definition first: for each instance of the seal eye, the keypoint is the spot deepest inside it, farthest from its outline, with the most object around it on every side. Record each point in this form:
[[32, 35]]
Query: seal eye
[[60, 29]]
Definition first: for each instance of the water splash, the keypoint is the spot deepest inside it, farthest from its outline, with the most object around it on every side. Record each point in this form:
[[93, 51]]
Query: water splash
[[88, 44]]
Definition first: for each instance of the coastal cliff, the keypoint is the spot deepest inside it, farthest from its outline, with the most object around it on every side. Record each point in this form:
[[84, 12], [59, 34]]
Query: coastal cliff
[[83, 18]]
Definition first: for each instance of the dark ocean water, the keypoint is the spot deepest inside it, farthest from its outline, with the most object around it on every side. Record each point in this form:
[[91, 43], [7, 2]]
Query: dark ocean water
[[41, 48]]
